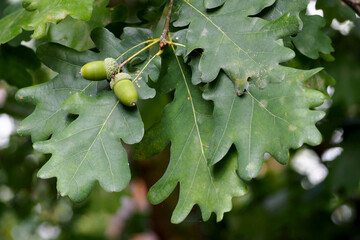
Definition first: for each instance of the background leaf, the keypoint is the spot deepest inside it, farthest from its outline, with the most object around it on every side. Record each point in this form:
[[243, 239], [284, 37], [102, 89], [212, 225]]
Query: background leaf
[[75, 33], [343, 170], [310, 40], [47, 11], [335, 9], [14, 62], [280, 7], [321, 81]]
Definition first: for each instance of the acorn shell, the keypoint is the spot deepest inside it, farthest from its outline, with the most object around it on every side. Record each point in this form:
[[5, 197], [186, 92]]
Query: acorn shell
[[94, 71], [126, 92]]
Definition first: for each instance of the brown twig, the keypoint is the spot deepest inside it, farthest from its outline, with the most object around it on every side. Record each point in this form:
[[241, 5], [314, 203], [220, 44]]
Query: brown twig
[[166, 26], [355, 5]]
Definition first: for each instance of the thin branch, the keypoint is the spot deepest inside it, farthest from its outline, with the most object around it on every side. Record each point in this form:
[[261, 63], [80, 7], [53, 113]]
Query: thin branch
[[355, 5], [166, 26]]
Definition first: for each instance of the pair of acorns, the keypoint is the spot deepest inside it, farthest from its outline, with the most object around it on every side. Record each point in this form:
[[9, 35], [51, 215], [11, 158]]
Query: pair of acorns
[[121, 83]]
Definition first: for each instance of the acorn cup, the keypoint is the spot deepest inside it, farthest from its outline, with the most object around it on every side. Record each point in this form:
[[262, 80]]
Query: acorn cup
[[30, 5]]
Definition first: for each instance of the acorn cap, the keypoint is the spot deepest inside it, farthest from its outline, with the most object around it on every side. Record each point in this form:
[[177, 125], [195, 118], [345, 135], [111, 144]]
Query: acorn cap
[[30, 5], [110, 67], [119, 77]]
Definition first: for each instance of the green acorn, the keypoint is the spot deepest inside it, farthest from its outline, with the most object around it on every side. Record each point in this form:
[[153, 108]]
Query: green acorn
[[99, 70], [124, 89]]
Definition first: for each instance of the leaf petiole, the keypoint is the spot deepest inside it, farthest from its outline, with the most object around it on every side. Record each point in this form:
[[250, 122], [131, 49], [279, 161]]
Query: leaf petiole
[[176, 44], [147, 64], [137, 45], [154, 41]]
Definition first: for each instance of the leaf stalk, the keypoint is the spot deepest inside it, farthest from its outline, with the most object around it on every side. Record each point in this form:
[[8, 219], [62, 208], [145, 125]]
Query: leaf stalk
[[154, 41]]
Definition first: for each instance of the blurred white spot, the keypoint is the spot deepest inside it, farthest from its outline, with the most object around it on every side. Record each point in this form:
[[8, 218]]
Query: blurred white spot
[[275, 202], [330, 90], [38, 208], [63, 211], [311, 9], [29, 44], [307, 162], [267, 156], [47, 231], [331, 154], [7, 127], [14, 1], [344, 28], [2, 96], [324, 106], [337, 136], [5, 193], [343, 214], [306, 184]]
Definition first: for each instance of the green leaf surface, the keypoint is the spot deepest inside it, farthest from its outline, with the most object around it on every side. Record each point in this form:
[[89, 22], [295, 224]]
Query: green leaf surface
[[48, 117], [47, 11], [280, 7], [14, 65], [312, 40], [90, 149], [187, 124], [321, 81], [75, 33], [209, 4], [271, 120], [3, 5], [251, 50]]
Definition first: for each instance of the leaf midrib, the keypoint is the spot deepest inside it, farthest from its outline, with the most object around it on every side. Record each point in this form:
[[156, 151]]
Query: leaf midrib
[[92, 144], [223, 33], [202, 156]]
